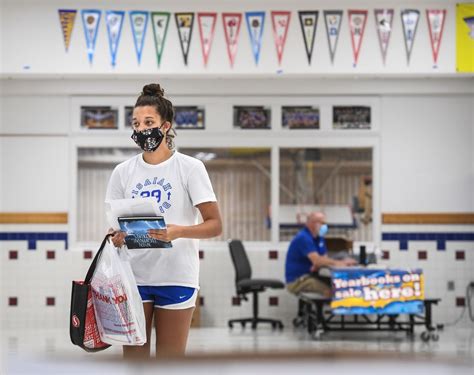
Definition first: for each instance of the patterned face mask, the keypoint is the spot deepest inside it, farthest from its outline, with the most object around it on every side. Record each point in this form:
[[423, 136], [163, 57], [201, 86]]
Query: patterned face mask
[[149, 139]]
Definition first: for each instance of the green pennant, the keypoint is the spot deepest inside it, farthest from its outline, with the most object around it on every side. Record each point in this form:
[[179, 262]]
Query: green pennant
[[160, 21]]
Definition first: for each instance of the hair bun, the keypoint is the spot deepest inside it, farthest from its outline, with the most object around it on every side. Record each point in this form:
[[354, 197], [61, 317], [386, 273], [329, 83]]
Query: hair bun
[[153, 89]]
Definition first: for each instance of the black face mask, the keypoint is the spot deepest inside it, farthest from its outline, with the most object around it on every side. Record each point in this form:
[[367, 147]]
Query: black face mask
[[149, 139]]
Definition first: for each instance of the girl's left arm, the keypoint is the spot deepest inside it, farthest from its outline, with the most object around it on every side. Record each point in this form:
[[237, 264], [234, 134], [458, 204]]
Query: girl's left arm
[[210, 227]]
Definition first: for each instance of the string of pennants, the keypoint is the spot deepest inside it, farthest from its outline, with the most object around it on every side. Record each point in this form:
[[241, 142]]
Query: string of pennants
[[255, 22]]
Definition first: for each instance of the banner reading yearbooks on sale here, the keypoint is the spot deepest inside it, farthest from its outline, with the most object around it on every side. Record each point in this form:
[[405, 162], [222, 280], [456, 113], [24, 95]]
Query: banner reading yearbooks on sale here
[[377, 291]]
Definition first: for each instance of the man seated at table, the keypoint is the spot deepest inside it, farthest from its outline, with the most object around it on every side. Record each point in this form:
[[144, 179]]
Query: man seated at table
[[307, 253]]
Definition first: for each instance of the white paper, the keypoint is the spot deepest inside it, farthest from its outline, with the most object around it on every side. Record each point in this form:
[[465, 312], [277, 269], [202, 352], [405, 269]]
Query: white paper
[[130, 207]]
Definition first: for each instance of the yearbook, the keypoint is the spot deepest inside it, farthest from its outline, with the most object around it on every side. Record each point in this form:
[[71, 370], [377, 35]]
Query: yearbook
[[136, 229]]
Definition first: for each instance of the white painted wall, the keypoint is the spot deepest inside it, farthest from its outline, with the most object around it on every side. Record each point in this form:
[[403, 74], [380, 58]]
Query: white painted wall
[[35, 46], [427, 163]]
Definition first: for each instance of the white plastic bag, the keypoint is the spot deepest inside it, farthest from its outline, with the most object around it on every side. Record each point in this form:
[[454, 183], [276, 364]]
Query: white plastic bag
[[117, 302]]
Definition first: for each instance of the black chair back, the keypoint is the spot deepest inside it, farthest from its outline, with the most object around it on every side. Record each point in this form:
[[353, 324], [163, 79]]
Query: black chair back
[[240, 260]]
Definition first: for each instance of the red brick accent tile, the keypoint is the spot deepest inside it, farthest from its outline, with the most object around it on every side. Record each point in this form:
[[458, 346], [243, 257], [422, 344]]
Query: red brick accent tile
[[87, 254], [235, 301], [460, 255], [50, 301], [386, 254], [13, 254], [273, 301], [201, 254], [460, 301], [272, 254], [12, 301], [50, 254], [422, 255]]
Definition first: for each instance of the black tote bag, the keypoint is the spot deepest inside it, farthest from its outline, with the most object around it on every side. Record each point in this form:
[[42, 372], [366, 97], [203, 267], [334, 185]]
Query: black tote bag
[[82, 324]]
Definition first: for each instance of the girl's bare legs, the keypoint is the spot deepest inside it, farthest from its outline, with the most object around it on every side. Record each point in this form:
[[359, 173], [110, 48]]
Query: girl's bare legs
[[172, 328], [141, 352]]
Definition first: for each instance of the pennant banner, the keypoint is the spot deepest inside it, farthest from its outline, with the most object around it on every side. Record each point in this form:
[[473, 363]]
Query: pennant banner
[[410, 18], [309, 24], [383, 23], [67, 18], [207, 25], [114, 21], [436, 19], [90, 21], [232, 23], [280, 23], [357, 21], [160, 21], [184, 22], [255, 24], [465, 37], [333, 19], [139, 22]]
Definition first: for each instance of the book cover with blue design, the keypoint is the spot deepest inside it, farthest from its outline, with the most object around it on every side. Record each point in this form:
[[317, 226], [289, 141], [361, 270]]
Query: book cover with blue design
[[136, 229]]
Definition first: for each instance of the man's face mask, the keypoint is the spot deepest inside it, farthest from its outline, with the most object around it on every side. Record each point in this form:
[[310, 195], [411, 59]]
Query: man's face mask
[[323, 230], [149, 139]]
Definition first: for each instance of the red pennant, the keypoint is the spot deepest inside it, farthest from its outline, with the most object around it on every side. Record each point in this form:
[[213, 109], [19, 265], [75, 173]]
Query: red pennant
[[357, 21], [207, 25], [280, 23], [436, 18], [232, 23]]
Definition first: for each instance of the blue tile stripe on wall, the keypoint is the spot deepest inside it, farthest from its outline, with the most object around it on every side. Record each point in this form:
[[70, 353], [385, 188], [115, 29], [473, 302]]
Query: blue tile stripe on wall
[[32, 237], [439, 237]]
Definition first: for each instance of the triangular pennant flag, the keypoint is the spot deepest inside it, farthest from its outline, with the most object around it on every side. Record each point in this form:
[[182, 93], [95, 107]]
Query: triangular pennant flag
[[139, 23], [67, 18], [255, 24], [357, 21], [410, 19], [160, 21], [184, 22], [232, 23], [280, 23], [90, 21], [436, 19], [207, 25], [114, 21], [309, 24], [333, 19], [383, 23]]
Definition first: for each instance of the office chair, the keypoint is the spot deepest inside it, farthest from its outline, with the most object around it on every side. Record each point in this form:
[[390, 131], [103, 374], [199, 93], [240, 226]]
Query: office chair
[[244, 284]]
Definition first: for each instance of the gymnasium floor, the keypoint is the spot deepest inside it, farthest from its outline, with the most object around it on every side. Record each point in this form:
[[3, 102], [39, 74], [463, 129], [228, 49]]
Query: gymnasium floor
[[224, 351]]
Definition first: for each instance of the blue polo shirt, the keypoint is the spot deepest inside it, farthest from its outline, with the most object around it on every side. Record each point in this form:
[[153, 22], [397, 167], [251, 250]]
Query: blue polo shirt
[[297, 262]]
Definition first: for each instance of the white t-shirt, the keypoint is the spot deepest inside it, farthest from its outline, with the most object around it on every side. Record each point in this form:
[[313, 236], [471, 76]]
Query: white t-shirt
[[179, 184]]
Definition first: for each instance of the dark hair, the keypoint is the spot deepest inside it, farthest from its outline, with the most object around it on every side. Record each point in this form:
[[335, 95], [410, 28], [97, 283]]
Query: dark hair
[[153, 95]]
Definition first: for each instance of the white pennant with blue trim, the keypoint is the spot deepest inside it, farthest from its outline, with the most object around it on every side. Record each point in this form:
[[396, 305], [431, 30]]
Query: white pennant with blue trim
[[139, 22], [114, 21], [90, 21], [255, 24]]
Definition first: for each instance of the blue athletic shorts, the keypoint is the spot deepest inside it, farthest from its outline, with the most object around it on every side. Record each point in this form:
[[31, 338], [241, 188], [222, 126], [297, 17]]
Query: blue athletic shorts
[[169, 297]]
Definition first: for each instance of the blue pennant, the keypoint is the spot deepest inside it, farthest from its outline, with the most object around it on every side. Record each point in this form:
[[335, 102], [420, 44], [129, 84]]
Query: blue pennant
[[255, 24]]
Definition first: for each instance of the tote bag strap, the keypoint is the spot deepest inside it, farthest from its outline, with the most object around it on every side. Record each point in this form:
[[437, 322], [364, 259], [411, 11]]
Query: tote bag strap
[[91, 270]]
